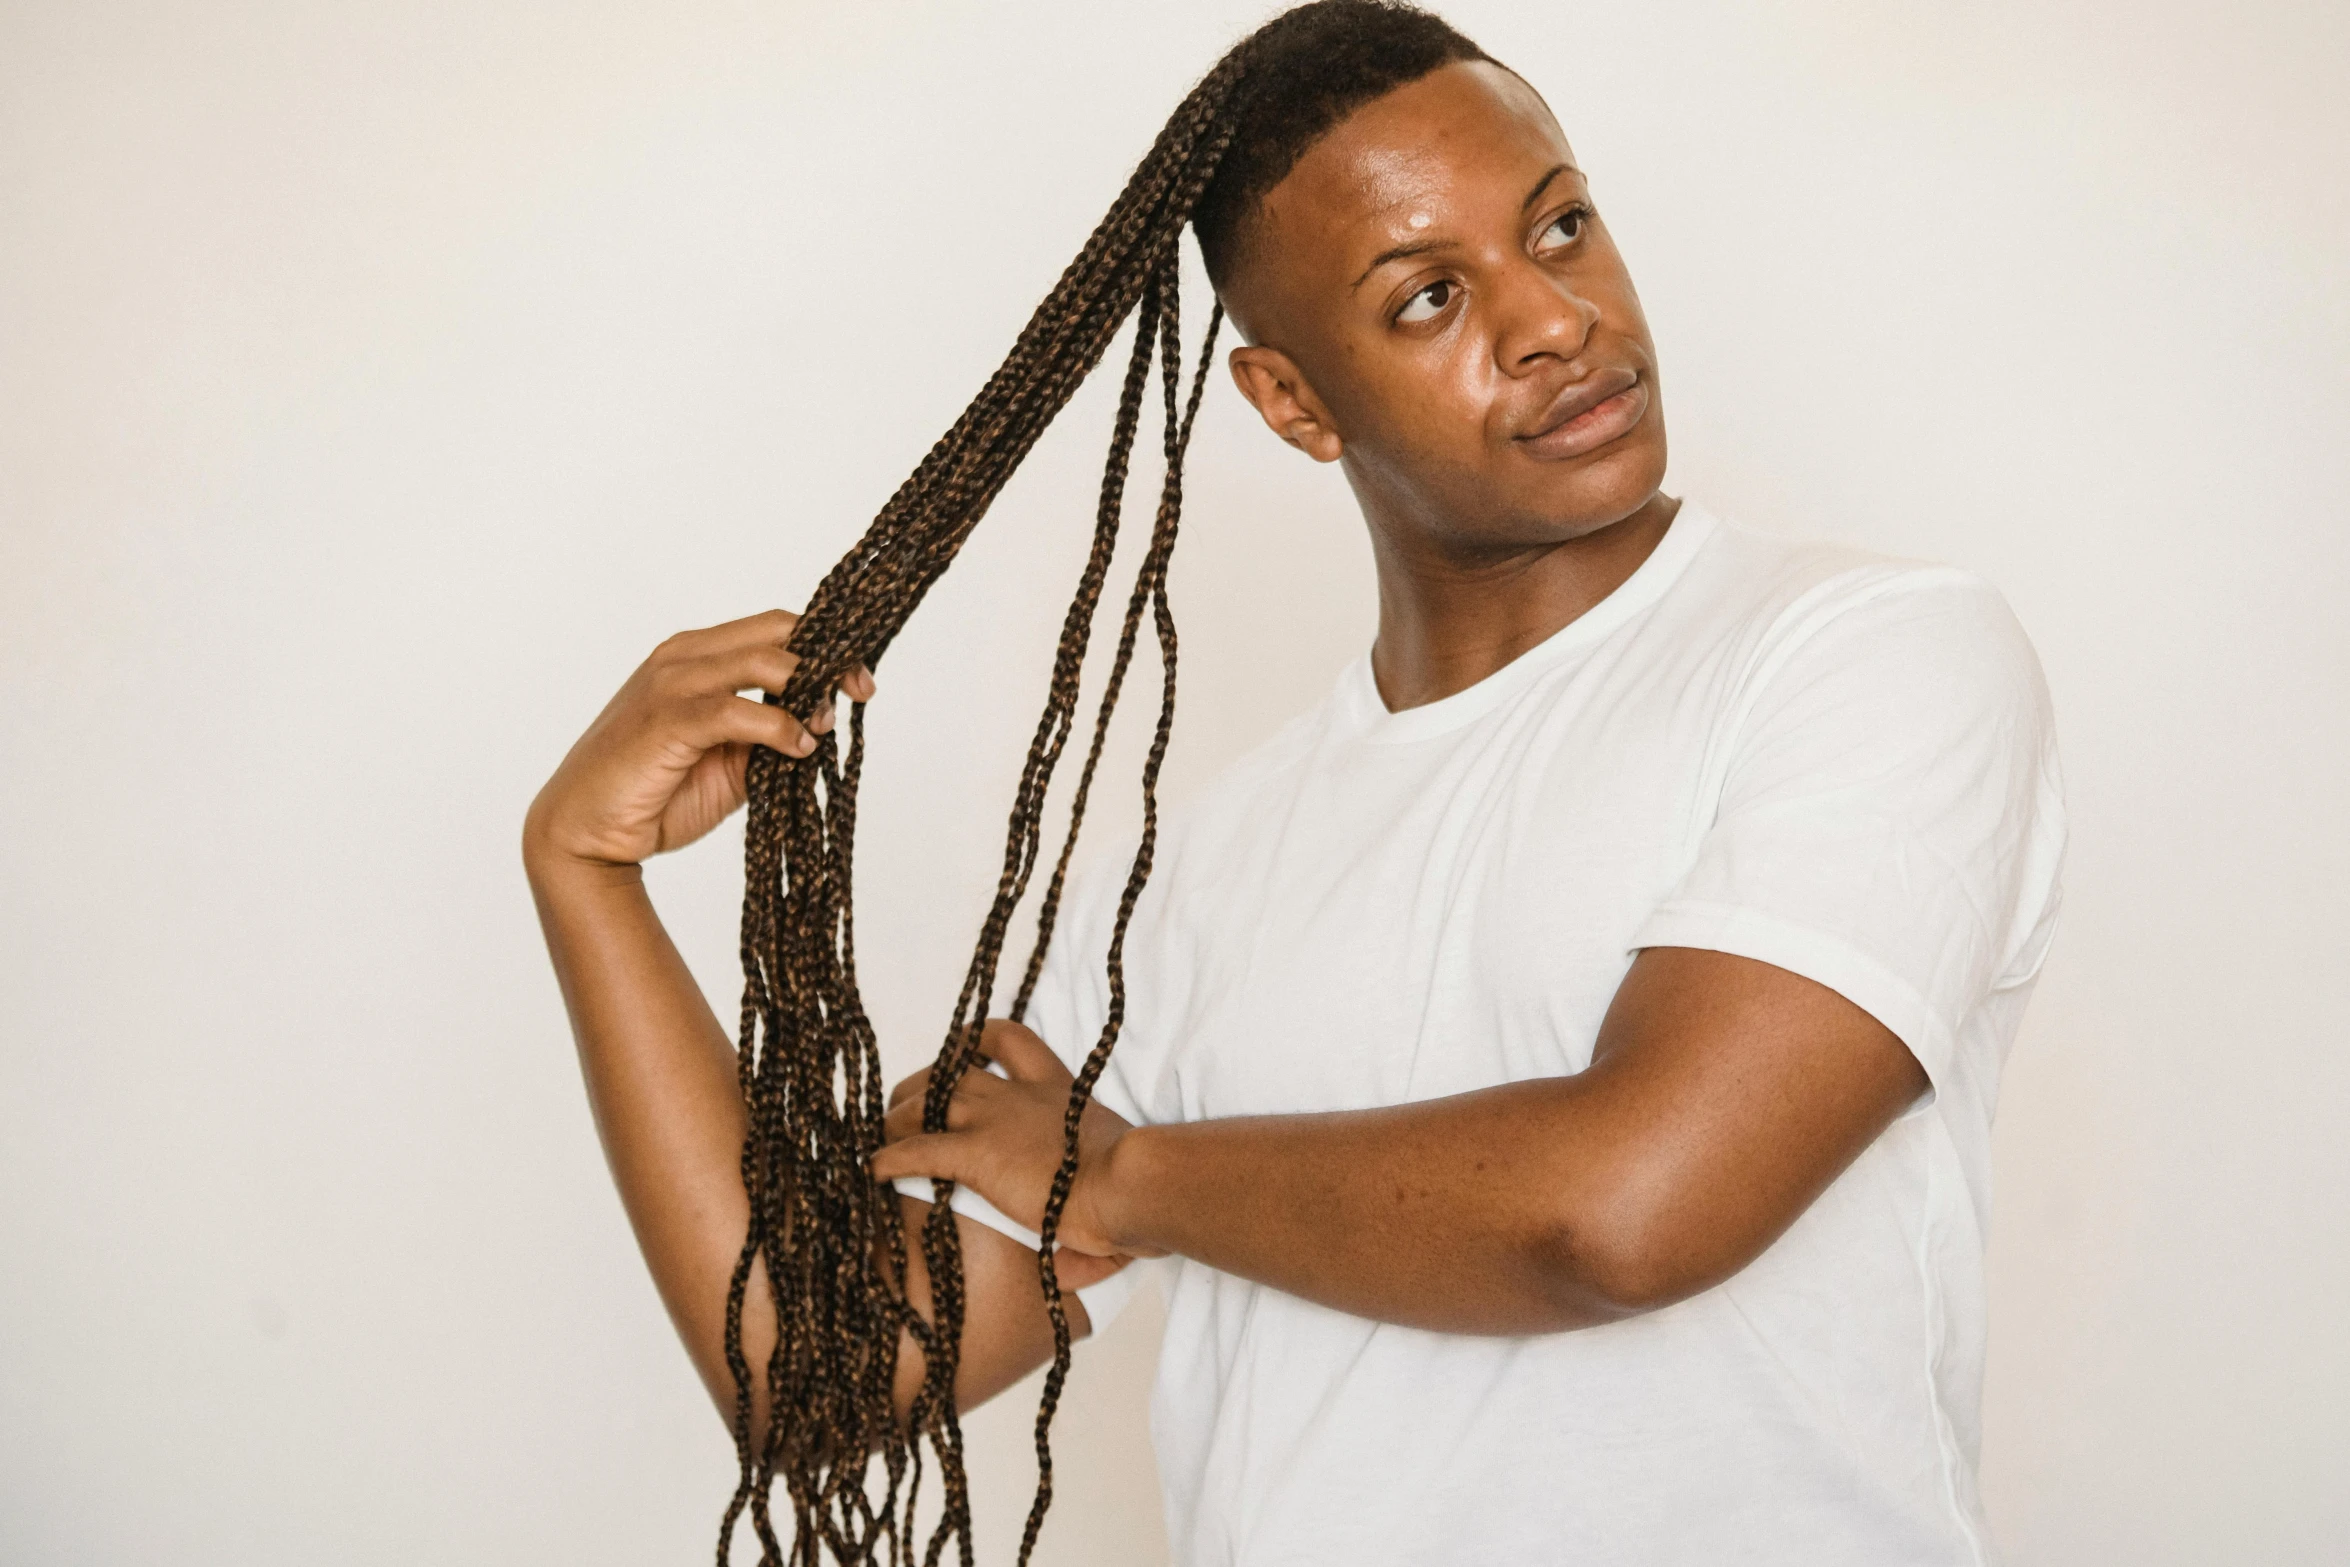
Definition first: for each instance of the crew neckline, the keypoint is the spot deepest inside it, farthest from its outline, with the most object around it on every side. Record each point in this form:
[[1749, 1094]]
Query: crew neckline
[[1368, 717]]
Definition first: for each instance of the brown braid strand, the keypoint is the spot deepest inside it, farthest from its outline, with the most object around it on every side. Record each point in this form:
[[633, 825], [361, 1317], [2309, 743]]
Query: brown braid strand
[[826, 1237]]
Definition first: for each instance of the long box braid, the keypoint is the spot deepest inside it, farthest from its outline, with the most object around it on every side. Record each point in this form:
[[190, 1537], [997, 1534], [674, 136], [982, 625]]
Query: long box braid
[[828, 1237]]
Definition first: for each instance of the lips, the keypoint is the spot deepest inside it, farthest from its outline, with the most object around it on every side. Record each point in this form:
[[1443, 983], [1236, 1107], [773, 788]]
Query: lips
[[1586, 415]]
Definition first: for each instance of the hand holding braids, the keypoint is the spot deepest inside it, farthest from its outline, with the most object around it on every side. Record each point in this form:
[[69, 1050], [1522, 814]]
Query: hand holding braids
[[827, 1237]]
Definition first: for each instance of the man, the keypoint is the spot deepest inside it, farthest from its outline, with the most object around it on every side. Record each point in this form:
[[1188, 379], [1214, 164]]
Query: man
[[1559, 1065]]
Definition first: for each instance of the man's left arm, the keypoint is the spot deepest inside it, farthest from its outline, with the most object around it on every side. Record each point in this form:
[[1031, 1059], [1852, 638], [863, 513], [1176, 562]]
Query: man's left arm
[[1890, 825], [1724, 1095]]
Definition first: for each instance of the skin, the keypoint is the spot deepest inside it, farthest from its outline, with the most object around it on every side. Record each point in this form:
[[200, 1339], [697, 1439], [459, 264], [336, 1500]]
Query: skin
[[658, 769], [1487, 538], [1445, 295]]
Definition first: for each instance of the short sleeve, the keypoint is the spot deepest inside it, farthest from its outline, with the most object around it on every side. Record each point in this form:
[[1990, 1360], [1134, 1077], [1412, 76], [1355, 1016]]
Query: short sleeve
[[1891, 820], [1067, 1011]]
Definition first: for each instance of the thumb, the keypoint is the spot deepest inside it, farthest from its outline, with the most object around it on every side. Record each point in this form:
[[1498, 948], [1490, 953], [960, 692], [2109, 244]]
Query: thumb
[[1025, 1058], [1078, 1270]]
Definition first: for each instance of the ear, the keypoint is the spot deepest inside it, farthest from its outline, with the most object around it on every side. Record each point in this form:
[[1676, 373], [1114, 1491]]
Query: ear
[[1271, 380]]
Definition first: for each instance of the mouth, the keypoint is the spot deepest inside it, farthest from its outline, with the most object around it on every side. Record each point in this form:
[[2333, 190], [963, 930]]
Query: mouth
[[1586, 415]]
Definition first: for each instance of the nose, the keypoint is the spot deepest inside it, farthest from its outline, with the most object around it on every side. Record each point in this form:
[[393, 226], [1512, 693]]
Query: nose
[[1539, 317]]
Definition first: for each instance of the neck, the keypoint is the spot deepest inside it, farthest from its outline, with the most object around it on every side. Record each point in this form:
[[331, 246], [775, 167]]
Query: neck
[[1448, 619]]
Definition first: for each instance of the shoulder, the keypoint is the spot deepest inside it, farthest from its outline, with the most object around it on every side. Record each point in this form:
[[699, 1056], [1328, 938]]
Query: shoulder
[[1246, 777], [1804, 611], [1800, 586]]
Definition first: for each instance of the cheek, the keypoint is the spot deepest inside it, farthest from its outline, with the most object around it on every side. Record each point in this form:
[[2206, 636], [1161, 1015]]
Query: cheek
[[1619, 304], [1430, 448], [1471, 380], [1434, 398], [1631, 323]]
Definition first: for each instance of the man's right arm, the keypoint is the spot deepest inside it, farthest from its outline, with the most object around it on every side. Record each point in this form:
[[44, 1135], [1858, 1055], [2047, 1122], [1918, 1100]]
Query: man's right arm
[[662, 765]]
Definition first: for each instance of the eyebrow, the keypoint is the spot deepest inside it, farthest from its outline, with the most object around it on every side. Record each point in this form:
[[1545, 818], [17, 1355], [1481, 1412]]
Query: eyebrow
[[1421, 247], [1418, 247], [1543, 184]]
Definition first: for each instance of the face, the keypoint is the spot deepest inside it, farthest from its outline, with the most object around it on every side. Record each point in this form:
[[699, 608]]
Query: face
[[1431, 300]]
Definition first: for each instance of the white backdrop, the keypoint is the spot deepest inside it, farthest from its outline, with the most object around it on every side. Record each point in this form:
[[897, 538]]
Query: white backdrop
[[379, 380]]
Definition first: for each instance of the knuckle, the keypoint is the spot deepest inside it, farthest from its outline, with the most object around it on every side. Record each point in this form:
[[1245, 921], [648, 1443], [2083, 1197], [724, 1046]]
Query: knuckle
[[673, 678], [772, 666], [717, 716]]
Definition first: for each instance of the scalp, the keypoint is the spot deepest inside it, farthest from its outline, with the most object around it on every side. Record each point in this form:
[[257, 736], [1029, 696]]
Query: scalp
[[1308, 70]]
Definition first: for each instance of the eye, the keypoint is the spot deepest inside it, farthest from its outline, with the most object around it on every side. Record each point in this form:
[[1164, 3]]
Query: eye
[[1567, 227], [1429, 302]]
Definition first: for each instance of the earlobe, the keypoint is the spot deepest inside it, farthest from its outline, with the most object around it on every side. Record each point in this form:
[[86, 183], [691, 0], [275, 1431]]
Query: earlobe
[[1316, 439]]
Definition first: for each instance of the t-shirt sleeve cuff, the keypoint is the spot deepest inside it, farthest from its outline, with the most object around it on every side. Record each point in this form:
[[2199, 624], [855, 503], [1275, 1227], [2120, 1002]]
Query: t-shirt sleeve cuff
[[1816, 956], [1103, 1301]]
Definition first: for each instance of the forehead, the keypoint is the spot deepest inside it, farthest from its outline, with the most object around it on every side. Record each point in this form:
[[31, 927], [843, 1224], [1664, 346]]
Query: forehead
[[1435, 152]]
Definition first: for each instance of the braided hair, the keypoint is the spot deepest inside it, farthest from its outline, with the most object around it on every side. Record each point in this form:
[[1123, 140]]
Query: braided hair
[[827, 1236]]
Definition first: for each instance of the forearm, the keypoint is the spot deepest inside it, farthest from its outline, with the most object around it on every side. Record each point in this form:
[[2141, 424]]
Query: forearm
[[1485, 1212], [661, 1082], [662, 765], [1723, 1097]]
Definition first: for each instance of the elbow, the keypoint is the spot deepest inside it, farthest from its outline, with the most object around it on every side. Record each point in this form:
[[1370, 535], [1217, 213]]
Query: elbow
[[1609, 1259], [709, 1362]]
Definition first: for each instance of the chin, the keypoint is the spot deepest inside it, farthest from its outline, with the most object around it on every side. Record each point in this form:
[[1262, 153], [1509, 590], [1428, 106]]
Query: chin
[[1602, 489], [1486, 500]]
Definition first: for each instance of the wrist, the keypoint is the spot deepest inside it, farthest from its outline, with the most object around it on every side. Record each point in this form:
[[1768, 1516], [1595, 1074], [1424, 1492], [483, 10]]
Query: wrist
[[1123, 1204], [553, 868]]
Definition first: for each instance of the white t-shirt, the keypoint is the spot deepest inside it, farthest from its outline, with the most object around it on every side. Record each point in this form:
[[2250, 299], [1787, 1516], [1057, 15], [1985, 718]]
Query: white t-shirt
[[1832, 762]]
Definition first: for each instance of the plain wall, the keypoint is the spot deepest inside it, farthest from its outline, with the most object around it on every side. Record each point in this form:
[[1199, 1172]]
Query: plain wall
[[379, 381]]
